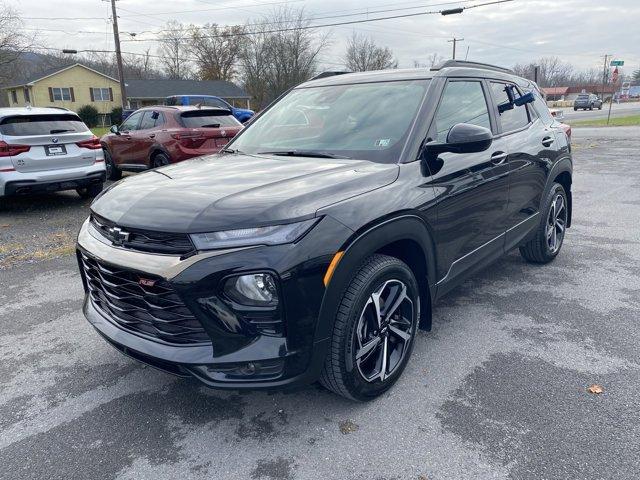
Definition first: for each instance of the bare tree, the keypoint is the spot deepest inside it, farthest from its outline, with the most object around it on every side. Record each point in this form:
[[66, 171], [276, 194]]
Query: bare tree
[[274, 61], [433, 60], [216, 50], [363, 54], [13, 41], [173, 50]]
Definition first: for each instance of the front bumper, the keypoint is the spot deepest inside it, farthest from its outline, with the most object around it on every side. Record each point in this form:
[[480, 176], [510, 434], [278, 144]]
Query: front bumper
[[237, 355]]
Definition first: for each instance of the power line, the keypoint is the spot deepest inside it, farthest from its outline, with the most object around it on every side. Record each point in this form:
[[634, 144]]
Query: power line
[[314, 26]]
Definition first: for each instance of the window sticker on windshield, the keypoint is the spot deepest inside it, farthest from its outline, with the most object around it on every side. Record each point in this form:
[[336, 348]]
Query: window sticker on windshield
[[383, 142]]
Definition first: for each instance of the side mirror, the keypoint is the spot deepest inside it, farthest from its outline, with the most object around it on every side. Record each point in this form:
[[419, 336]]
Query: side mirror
[[463, 138], [114, 129]]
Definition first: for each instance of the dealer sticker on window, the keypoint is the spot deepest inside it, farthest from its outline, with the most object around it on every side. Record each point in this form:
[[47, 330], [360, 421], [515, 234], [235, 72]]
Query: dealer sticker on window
[[383, 142]]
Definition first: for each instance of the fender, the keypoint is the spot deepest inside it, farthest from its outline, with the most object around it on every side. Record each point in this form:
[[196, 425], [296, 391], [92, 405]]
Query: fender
[[564, 164], [366, 242]]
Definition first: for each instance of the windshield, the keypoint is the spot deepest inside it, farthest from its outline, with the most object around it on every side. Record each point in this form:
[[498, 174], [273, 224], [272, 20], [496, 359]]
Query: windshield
[[369, 121], [25, 125]]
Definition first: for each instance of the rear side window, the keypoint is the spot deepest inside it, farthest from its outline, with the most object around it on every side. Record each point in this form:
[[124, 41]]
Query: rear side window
[[462, 102], [541, 108], [25, 125], [208, 118], [513, 119], [151, 119]]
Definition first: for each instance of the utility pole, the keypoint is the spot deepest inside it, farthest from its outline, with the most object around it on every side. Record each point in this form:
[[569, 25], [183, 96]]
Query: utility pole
[[454, 41], [536, 70], [604, 73], [116, 38]]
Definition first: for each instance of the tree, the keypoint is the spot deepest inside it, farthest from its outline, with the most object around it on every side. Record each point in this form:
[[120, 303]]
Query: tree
[[274, 61], [173, 50], [216, 50], [363, 54], [636, 75], [89, 115], [433, 60], [13, 41]]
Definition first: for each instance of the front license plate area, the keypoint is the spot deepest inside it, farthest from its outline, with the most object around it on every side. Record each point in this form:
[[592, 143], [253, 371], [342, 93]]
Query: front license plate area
[[55, 150]]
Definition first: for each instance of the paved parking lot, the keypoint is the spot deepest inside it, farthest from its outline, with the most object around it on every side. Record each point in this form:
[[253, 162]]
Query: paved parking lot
[[496, 390]]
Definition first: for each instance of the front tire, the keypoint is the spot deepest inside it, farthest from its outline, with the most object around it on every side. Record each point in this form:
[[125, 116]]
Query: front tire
[[546, 244], [113, 172], [374, 330]]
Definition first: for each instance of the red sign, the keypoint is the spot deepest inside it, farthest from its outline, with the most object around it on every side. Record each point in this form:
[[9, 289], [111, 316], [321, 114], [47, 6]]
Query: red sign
[[614, 77]]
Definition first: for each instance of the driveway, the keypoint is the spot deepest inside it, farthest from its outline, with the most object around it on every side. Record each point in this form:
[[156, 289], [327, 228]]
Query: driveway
[[497, 390]]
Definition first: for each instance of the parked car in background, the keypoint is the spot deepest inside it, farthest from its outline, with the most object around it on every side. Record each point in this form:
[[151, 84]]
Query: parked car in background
[[587, 101], [242, 114], [314, 246], [156, 136], [47, 150]]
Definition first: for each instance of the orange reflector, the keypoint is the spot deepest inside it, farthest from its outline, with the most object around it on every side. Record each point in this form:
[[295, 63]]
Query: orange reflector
[[332, 266]]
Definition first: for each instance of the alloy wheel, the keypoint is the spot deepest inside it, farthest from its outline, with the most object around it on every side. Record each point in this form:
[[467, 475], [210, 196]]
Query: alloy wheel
[[384, 331], [556, 223]]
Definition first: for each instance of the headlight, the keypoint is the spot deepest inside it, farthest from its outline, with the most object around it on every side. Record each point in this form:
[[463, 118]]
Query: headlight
[[257, 289], [271, 235]]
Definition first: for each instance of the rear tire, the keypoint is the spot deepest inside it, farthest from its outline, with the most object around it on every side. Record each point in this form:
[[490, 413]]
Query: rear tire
[[374, 330], [546, 244], [113, 172], [160, 160], [91, 191]]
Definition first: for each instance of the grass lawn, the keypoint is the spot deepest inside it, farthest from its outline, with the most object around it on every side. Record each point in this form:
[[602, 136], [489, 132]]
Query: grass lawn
[[99, 131], [614, 122]]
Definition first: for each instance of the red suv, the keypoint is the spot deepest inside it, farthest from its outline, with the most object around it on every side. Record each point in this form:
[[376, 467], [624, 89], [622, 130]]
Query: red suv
[[160, 135]]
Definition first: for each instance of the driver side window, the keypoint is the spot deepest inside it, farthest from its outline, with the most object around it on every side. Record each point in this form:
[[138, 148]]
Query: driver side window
[[462, 102], [131, 123]]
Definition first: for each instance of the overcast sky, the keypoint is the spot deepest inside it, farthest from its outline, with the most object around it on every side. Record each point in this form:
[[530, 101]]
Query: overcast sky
[[578, 31]]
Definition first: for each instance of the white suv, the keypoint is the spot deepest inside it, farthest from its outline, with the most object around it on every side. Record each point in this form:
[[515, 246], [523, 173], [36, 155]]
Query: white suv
[[48, 149]]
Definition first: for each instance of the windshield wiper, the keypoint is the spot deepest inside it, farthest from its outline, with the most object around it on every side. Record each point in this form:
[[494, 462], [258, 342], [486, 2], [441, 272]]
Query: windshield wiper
[[62, 130], [210, 125], [230, 150], [302, 153]]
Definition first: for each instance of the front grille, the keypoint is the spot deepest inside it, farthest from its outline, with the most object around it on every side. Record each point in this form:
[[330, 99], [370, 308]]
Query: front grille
[[143, 240], [143, 305]]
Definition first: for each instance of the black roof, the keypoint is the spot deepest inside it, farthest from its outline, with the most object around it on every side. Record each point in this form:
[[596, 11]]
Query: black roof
[[160, 88]]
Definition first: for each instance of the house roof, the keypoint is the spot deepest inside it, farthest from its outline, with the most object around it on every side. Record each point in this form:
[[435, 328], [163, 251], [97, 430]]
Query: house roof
[[160, 88], [36, 77], [555, 90]]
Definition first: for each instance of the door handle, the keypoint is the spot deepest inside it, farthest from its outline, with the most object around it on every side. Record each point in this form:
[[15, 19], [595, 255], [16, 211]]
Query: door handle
[[498, 157], [153, 135], [128, 138], [547, 141]]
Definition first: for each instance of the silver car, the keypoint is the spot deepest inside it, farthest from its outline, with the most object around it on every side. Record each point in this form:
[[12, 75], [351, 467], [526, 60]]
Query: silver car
[[48, 149]]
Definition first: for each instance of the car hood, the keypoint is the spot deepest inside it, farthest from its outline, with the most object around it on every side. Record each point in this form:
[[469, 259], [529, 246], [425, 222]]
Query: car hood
[[235, 191]]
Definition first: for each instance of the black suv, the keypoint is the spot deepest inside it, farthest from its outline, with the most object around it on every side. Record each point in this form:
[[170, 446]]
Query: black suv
[[315, 245]]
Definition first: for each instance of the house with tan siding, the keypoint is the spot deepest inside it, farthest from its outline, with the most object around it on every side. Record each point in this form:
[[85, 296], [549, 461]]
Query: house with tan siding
[[69, 87]]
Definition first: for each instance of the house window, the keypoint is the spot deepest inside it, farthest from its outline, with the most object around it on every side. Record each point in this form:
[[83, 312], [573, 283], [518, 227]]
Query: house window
[[61, 94], [101, 94], [14, 96]]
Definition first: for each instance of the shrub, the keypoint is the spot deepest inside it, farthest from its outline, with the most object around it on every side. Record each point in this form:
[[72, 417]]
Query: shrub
[[116, 116], [89, 115]]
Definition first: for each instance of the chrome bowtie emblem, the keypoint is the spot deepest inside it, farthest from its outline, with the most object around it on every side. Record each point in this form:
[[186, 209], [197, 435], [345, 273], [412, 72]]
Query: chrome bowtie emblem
[[54, 140], [118, 236]]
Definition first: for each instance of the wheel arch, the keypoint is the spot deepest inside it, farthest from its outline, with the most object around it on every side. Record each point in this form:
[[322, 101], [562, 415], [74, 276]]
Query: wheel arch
[[154, 150], [407, 237], [562, 173]]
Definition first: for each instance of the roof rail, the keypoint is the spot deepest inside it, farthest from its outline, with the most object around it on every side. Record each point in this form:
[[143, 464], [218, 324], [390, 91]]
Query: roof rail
[[327, 74], [464, 63], [60, 108]]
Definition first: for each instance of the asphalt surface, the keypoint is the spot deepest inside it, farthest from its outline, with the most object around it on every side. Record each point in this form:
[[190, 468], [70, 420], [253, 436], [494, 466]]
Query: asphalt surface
[[617, 110], [497, 390]]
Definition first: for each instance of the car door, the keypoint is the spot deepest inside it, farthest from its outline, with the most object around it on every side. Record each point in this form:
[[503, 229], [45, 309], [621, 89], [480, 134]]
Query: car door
[[144, 137], [122, 144], [531, 146], [471, 189]]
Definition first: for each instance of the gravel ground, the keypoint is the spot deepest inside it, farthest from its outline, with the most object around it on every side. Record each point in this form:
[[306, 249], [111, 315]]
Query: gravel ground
[[497, 390]]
